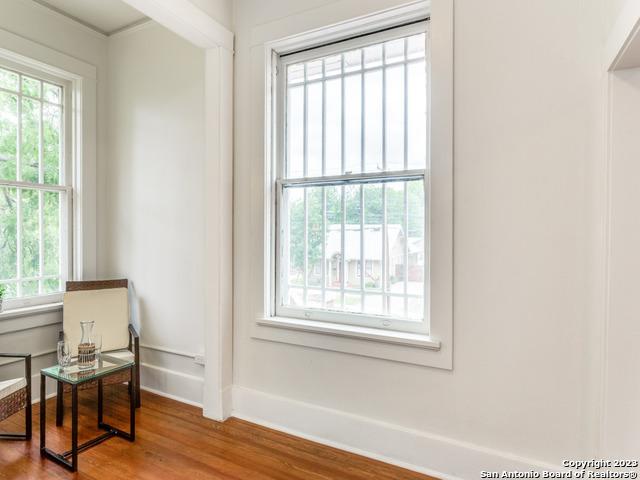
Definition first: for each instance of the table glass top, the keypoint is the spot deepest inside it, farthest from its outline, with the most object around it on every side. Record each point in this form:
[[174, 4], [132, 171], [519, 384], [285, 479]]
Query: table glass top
[[72, 374]]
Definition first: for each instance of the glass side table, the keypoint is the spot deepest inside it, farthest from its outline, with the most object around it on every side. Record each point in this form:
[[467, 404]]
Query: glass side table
[[74, 377]]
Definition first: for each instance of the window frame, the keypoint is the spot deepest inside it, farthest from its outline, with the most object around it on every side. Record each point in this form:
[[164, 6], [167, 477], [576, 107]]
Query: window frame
[[64, 186], [279, 66]]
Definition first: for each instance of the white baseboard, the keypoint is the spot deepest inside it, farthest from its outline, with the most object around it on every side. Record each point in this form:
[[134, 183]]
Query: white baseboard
[[172, 384], [433, 455], [172, 397]]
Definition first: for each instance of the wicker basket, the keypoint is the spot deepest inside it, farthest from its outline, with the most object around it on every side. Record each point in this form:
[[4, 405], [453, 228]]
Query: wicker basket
[[13, 403]]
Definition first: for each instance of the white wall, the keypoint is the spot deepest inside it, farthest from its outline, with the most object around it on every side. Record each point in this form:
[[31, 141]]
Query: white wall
[[38, 334], [155, 190], [622, 414], [527, 98]]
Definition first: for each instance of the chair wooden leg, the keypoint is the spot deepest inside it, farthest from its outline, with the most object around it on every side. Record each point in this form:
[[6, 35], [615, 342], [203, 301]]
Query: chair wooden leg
[[60, 404]]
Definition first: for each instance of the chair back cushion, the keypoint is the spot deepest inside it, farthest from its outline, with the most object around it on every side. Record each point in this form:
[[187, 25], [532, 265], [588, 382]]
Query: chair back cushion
[[108, 308]]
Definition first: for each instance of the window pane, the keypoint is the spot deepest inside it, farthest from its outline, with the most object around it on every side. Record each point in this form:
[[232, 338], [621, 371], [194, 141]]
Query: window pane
[[29, 288], [394, 127], [30, 233], [352, 303], [51, 285], [356, 247], [314, 298], [314, 236], [51, 123], [416, 308], [417, 115], [30, 146], [8, 80], [30, 86], [8, 135], [333, 65], [352, 119], [395, 306], [333, 126], [373, 237], [295, 297], [295, 73], [352, 236], [51, 233], [314, 70], [333, 250], [395, 238], [373, 121], [394, 51], [333, 301], [294, 201], [314, 130], [52, 93], [352, 61], [373, 304], [373, 56], [354, 275], [416, 46], [295, 132], [8, 233], [11, 290]]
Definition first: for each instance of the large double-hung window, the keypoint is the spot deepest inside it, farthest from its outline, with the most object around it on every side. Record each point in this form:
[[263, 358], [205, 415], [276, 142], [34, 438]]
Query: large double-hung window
[[353, 183], [34, 187]]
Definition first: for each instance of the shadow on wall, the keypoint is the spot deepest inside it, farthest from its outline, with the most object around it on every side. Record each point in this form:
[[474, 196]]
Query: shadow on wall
[[135, 308]]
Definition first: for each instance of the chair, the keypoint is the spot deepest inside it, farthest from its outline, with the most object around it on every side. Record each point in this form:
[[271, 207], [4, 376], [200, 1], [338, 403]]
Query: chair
[[105, 302], [15, 395]]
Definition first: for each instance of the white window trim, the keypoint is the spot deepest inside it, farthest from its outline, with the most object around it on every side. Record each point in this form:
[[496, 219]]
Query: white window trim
[[435, 349], [80, 134]]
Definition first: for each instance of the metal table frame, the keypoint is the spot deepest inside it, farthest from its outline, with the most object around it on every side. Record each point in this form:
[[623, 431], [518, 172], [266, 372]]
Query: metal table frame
[[110, 431]]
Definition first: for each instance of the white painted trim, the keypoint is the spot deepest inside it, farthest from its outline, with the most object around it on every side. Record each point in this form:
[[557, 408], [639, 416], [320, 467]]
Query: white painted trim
[[187, 20], [28, 311], [355, 346], [218, 221], [622, 49], [350, 331], [170, 396], [169, 350], [82, 77], [435, 455], [33, 355], [172, 383], [272, 38], [285, 31]]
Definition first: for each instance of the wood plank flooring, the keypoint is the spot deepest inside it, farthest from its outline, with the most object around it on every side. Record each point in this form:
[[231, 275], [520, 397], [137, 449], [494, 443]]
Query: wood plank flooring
[[174, 441]]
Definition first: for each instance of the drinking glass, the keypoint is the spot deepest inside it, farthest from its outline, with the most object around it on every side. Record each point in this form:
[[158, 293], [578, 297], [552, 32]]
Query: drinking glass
[[64, 354], [97, 341]]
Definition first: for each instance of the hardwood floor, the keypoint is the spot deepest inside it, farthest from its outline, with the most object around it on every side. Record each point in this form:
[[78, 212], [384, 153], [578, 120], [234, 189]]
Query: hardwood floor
[[174, 441]]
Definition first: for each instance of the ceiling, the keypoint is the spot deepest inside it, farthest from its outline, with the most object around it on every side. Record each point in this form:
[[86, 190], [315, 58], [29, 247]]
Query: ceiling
[[104, 16]]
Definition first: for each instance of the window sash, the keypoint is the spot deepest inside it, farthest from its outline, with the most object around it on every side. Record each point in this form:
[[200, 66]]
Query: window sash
[[283, 182], [63, 187]]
